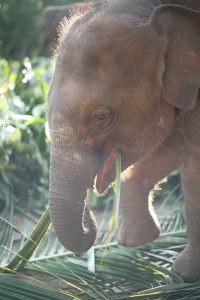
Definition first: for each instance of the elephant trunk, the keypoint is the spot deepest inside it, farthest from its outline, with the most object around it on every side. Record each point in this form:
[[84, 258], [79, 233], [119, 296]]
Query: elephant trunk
[[73, 222]]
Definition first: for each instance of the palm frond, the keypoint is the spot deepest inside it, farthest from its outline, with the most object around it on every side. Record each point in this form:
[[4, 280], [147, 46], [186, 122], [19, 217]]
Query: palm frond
[[6, 219], [15, 288], [117, 273], [32, 242]]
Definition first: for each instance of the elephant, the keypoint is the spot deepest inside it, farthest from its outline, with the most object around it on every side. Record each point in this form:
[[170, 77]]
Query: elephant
[[51, 18], [127, 77]]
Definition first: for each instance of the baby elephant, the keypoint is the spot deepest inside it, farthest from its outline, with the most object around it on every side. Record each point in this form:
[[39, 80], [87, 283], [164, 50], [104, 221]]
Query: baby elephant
[[127, 77]]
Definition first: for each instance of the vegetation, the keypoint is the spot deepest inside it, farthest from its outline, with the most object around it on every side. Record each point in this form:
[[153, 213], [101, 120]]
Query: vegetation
[[24, 150], [107, 271], [20, 25], [43, 269]]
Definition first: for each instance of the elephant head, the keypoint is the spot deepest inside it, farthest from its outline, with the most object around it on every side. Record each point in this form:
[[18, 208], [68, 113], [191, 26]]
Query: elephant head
[[113, 88]]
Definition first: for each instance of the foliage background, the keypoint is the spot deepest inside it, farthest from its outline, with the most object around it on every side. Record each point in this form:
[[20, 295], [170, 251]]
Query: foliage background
[[20, 25], [24, 79], [24, 148]]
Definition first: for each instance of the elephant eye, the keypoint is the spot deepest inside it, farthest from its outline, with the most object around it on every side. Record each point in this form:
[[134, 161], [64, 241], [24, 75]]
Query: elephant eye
[[101, 118]]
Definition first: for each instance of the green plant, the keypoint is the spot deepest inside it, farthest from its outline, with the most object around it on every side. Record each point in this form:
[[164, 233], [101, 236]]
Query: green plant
[[24, 148], [20, 25]]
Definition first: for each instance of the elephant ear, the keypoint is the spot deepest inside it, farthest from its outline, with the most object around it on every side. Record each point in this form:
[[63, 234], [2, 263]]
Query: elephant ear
[[179, 29]]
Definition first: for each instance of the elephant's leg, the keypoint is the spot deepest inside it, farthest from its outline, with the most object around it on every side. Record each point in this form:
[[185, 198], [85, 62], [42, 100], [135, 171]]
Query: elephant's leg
[[187, 263], [140, 224]]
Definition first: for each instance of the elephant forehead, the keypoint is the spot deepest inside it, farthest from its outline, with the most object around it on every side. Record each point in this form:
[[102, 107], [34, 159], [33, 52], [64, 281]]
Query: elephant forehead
[[75, 95], [74, 79], [90, 64], [100, 45], [94, 67]]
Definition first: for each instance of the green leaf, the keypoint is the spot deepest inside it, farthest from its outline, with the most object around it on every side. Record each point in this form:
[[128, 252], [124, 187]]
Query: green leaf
[[36, 237], [4, 69]]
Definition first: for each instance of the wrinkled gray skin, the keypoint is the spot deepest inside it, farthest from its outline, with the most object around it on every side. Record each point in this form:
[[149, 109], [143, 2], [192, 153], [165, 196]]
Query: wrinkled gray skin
[[127, 77], [51, 17]]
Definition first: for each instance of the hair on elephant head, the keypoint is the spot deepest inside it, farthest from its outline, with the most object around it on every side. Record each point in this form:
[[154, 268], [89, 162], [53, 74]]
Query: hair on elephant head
[[127, 77], [52, 19]]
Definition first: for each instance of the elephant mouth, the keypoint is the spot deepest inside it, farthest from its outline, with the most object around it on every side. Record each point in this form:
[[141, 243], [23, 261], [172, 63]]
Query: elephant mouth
[[106, 174]]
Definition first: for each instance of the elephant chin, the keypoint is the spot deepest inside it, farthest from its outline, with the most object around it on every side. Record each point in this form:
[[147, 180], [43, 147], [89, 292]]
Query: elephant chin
[[106, 174]]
